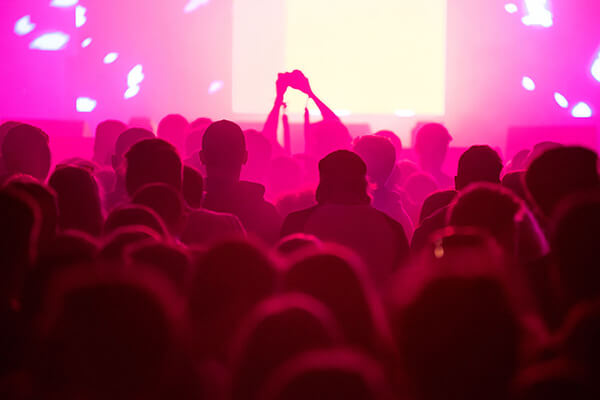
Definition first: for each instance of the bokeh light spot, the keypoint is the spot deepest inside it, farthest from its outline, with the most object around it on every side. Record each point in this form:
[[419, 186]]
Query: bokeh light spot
[[52, 41], [111, 58], [193, 5], [561, 100], [538, 14], [85, 104], [80, 18], [215, 86], [528, 84], [63, 3], [24, 26], [511, 8], [86, 42], [582, 110]]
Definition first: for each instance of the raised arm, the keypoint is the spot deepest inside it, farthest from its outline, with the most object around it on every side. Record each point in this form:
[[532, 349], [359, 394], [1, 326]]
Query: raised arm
[[272, 122]]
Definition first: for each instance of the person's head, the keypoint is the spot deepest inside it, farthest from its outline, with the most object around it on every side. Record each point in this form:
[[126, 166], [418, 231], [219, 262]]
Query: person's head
[[135, 214], [343, 179], [115, 245], [224, 150], [166, 201], [574, 234], [431, 144], [172, 129], [435, 202], [193, 187], [277, 330], [107, 133], [196, 130], [328, 136], [153, 161], [78, 198], [558, 173], [379, 154], [478, 164], [328, 374], [125, 141], [297, 242], [25, 150], [395, 139], [515, 181], [419, 186]]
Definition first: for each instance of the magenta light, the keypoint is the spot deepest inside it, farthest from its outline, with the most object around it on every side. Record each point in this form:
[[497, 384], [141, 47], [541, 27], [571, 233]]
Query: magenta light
[[528, 84], [111, 58], [63, 3], [52, 41], [538, 14], [215, 87], [80, 18], [24, 26], [85, 104], [582, 110], [86, 42], [511, 8], [193, 5], [561, 100]]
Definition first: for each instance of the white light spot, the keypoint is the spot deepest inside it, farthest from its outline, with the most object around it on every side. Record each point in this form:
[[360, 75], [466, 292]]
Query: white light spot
[[85, 104], [52, 41], [342, 113], [511, 8], [86, 42], [63, 3], [24, 26], [111, 58], [193, 5], [80, 18], [528, 83], [581, 110], [561, 100], [215, 87], [596, 68], [538, 14], [132, 91], [404, 113], [134, 78]]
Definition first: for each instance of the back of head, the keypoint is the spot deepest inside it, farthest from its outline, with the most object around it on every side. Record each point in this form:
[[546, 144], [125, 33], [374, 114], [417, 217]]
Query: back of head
[[277, 330], [297, 242], [78, 197], [169, 261], [327, 136], [431, 145], [165, 201], [116, 245], [125, 141], [328, 374], [173, 128], [419, 186], [153, 161], [435, 202], [342, 179], [379, 154], [395, 139], [574, 237], [193, 187], [478, 164], [25, 150], [224, 146], [107, 133], [560, 172], [135, 214]]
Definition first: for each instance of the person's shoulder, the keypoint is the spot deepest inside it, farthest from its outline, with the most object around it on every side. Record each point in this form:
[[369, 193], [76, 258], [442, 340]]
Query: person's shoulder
[[295, 222]]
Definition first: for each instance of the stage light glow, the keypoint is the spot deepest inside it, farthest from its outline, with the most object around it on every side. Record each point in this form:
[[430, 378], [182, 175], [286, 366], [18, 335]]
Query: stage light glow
[[404, 113], [528, 83], [86, 42], [85, 104], [131, 91], [342, 113], [63, 3], [582, 110], [596, 68], [24, 26], [135, 76], [215, 87], [511, 8], [80, 18], [111, 58], [561, 100], [193, 5], [52, 41], [538, 14]]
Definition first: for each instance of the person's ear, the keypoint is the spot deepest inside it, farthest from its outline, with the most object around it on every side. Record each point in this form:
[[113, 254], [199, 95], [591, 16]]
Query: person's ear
[[202, 157], [245, 157]]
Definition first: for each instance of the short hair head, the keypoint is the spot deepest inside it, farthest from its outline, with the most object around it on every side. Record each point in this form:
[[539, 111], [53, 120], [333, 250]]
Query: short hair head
[[342, 179], [224, 146], [25, 150], [379, 154], [478, 164], [153, 161]]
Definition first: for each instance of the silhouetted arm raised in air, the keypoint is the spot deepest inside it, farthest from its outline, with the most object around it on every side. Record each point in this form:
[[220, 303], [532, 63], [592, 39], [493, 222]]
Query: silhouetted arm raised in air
[[272, 122]]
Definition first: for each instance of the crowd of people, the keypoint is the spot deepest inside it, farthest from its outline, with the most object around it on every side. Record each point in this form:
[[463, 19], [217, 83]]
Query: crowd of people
[[207, 262]]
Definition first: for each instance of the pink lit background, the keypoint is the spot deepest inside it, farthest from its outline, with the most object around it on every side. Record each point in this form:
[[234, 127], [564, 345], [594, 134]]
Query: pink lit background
[[525, 63]]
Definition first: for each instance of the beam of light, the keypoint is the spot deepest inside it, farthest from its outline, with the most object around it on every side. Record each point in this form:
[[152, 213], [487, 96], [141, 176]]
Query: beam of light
[[52, 41], [561, 100], [63, 3], [193, 5], [111, 58], [404, 113], [511, 8], [80, 18], [538, 14], [581, 110], [86, 42], [596, 68], [215, 87], [85, 104], [24, 26], [528, 84]]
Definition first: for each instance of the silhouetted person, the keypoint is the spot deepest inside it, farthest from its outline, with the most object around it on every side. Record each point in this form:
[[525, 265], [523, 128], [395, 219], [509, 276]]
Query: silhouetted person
[[515, 182], [135, 214], [259, 157], [395, 139], [4, 128], [116, 245], [78, 199], [166, 202], [379, 153], [431, 145], [107, 133], [193, 187], [224, 154], [298, 242], [344, 215], [435, 202], [25, 150], [173, 129], [418, 187]]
